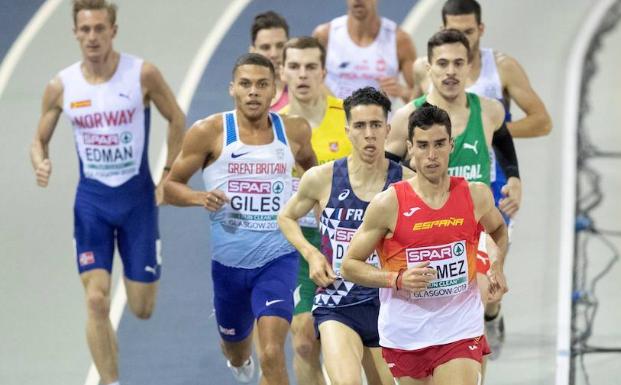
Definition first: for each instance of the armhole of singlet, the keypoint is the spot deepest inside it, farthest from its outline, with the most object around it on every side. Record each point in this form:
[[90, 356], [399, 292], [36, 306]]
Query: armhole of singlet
[[400, 192], [279, 128], [228, 120]]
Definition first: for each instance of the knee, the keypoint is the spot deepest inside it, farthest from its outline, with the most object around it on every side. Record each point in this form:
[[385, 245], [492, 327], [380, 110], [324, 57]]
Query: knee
[[143, 311], [98, 304], [272, 355], [346, 381], [237, 357], [304, 347]]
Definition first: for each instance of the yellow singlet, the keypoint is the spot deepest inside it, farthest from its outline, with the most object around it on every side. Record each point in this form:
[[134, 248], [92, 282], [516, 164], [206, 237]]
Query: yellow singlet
[[329, 139]]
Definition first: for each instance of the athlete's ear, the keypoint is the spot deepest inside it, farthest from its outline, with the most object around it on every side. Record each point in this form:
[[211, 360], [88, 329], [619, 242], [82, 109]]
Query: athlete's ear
[[452, 142], [251, 49], [231, 89], [388, 128], [115, 29], [481, 29]]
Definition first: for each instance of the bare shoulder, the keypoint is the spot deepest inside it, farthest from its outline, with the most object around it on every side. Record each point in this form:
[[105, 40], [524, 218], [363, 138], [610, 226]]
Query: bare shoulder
[[505, 61], [493, 110], [386, 200], [322, 33], [53, 93], [480, 193], [420, 65], [150, 75], [320, 175], [297, 128], [207, 131], [403, 37], [402, 115], [407, 173]]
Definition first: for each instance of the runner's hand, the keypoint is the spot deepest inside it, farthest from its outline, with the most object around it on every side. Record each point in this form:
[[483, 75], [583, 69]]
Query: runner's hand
[[213, 200], [417, 278], [159, 193], [319, 270], [497, 283], [512, 193], [43, 171], [392, 87]]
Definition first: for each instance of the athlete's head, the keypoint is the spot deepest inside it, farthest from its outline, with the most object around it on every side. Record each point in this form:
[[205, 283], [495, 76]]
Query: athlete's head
[[429, 141], [303, 68], [253, 85], [367, 122], [448, 53], [464, 16], [269, 33], [94, 26], [361, 9]]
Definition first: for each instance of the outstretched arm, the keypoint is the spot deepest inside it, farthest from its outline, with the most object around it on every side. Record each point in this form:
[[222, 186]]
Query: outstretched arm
[[51, 108]]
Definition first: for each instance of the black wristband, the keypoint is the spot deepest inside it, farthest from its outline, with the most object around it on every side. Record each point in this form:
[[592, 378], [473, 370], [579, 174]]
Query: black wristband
[[167, 168], [504, 149]]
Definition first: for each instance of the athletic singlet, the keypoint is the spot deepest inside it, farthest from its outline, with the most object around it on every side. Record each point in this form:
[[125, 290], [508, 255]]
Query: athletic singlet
[[282, 101], [488, 84], [351, 66], [329, 141], [450, 309], [339, 221], [470, 157], [111, 129], [257, 181]]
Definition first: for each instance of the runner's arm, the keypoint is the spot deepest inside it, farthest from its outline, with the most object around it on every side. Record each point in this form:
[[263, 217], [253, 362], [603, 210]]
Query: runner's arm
[[159, 92], [419, 69], [51, 108], [322, 33], [198, 147], [537, 121], [301, 133], [299, 205]]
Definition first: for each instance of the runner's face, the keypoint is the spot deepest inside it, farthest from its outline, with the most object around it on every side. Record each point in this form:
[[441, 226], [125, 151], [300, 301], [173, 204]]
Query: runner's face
[[429, 150], [253, 89], [367, 130], [303, 73], [360, 9], [467, 24], [448, 69], [270, 43], [95, 33]]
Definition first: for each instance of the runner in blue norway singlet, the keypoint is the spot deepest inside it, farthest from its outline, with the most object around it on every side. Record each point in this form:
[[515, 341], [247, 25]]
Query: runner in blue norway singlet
[[115, 197]]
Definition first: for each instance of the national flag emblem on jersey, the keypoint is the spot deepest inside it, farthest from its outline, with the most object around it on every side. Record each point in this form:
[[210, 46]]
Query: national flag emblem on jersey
[[81, 103], [334, 146], [86, 258]]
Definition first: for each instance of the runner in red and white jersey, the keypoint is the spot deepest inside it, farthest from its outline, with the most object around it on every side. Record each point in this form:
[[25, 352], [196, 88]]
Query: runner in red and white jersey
[[426, 231]]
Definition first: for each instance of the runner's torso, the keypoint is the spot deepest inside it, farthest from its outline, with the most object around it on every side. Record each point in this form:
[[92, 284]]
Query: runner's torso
[[111, 128], [257, 181], [339, 221], [450, 308], [350, 67]]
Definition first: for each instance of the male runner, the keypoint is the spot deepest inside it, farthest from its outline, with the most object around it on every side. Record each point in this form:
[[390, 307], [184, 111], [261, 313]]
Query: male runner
[[269, 33], [304, 71], [247, 156], [107, 97], [365, 49], [426, 231], [476, 121], [498, 76], [346, 314]]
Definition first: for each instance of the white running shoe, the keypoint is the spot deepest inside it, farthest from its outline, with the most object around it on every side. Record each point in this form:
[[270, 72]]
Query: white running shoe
[[495, 333], [243, 374]]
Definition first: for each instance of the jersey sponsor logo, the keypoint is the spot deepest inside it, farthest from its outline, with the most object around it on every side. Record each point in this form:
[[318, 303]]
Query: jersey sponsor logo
[[343, 234], [151, 269], [334, 146], [234, 155], [270, 303], [86, 258], [250, 187], [104, 119], [257, 168], [124, 95], [473, 147], [101, 139], [80, 104], [446, 222], [469, 172], [343, 195], [411, 211], [344, 64], [226, 331], [472, 347]]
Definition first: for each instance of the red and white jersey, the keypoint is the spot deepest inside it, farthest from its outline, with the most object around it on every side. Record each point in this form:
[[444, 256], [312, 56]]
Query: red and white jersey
[[450, 309]]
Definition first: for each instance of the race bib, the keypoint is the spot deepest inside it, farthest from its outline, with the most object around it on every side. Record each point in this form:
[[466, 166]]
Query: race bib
[[340, 243], [254, 205]]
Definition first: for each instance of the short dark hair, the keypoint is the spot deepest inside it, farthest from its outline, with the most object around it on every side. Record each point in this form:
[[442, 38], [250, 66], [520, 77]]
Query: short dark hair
[[304, 42], [426, 116], [267, 20], [446, 36], [94, 5], [366, 96], [254, 59], [461, 7]]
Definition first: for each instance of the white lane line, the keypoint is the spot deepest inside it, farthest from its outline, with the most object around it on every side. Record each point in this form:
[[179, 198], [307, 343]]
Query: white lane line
[[18, 48], [420, 10], [184, 98]]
